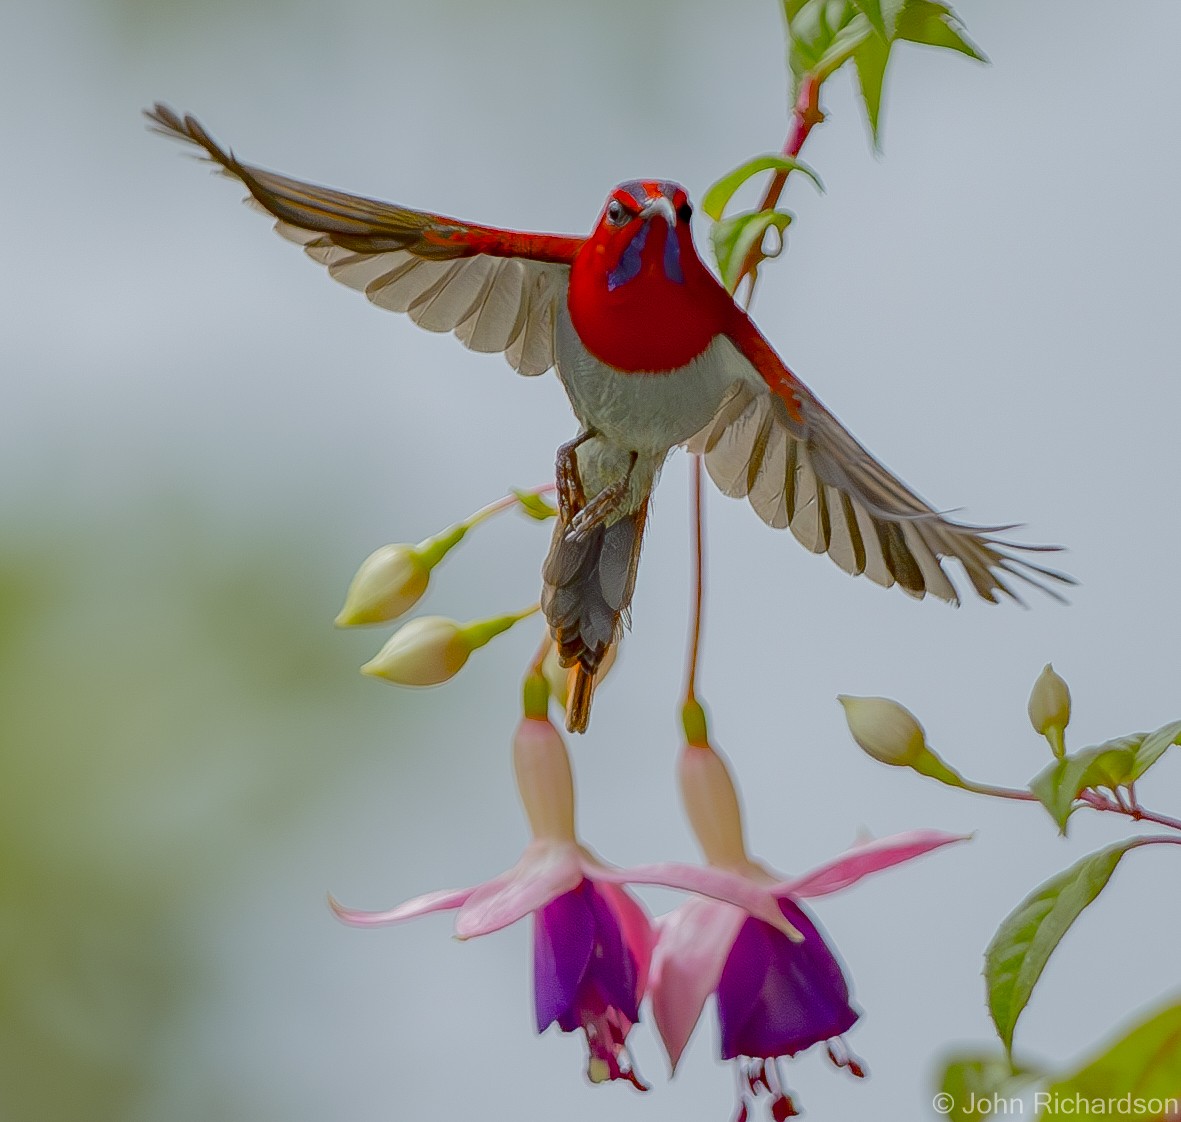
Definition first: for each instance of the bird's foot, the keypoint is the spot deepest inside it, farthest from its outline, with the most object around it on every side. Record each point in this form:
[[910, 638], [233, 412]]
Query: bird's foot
[[571, 496], [599, 510]]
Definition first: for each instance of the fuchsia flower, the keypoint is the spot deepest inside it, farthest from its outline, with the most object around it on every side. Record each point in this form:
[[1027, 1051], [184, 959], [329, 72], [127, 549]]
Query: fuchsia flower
[[591, 950], [776, 995], [592, 941]]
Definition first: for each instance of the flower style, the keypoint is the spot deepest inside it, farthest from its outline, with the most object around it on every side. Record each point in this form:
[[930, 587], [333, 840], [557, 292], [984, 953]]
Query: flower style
[[592, 941], [776, 996]]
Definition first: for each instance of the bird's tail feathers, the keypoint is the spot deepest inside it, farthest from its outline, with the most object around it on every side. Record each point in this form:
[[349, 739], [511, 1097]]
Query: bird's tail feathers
[[588, 583]]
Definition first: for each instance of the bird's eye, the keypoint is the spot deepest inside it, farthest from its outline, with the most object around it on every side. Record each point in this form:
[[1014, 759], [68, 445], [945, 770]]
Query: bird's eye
[[616, 213], [684, 212]]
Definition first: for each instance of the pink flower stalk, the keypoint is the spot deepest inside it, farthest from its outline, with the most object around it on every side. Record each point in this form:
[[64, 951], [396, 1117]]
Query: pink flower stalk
[[776, 996], [592, 940]]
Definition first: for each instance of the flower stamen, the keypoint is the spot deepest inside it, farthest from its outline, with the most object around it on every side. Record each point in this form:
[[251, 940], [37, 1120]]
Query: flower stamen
[[839, 1054], [760, 1077]]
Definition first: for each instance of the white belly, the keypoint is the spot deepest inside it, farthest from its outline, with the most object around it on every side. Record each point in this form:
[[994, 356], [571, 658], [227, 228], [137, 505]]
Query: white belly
[[644, 413]]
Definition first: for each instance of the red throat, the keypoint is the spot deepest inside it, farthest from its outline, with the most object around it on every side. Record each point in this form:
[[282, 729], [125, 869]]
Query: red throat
[[640, 304]]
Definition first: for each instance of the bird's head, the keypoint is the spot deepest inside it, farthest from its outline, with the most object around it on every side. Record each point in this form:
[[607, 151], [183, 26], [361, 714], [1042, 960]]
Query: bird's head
[[640, 298], [644, 229]]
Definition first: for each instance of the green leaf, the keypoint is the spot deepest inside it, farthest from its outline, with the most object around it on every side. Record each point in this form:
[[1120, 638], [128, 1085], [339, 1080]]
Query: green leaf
[[1138, 1068], [1052, 786], [793, 8], [843, 46], [1108, 765], [812, 28], [1023, 943], [870, 60], [1153, 745], [872, 10], [715, 200], [825, 34], [936, 25], [807, 36], [733, 238], [532, 504], [972, 1083]]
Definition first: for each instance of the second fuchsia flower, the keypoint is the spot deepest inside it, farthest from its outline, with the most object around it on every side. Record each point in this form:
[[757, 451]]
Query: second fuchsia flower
[[776, 996]]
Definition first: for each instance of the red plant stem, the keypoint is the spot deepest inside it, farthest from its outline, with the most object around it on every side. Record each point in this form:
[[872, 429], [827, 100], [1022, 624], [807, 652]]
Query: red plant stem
[[1154, 840], [805, 116], [1093, 799], [1160, 819], [698, 579], [1137, 813]]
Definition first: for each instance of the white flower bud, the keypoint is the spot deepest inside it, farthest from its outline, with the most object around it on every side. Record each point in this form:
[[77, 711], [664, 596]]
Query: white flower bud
[[1049, 708], [390, 581], [423, 652], [885, 730]]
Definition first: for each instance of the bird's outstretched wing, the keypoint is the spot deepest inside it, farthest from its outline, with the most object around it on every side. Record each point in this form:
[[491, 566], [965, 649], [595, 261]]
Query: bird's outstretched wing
[[496, 289], [774, 442]]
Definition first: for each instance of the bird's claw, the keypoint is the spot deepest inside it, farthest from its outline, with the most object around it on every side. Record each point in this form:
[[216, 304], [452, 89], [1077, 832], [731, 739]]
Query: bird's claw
[[599, 510], [571, 496]]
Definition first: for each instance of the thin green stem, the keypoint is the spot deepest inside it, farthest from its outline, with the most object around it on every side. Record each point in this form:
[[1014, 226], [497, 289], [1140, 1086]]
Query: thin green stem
[[994, 792], [506, 503], [483, 631]]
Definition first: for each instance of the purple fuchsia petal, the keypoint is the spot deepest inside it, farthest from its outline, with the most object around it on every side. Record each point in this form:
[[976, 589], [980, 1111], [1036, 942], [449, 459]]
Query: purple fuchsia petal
[[611, 980], [587, 979], [776, 997], [862, 860], [563, 939], [581, 963]]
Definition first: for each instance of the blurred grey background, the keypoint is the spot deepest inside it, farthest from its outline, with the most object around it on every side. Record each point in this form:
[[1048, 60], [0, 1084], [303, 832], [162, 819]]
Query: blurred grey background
[[201, 437]]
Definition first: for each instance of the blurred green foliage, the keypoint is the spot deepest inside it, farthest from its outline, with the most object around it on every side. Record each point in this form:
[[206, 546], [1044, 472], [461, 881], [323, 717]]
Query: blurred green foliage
[[170, 696]]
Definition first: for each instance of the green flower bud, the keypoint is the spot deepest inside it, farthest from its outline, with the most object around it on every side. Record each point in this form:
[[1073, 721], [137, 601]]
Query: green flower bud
[[1049, 709], [390, 581]]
